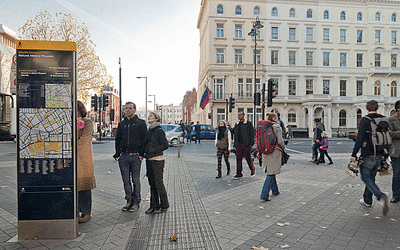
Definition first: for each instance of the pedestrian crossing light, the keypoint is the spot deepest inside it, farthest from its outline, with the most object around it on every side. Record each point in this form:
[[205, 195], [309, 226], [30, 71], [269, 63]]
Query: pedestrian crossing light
[[271, 91], [105, 102], [231, 103], [257, 99], [94, 102]]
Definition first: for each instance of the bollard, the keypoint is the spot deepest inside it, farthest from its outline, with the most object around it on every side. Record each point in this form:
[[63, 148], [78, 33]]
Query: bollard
[[179, 147]]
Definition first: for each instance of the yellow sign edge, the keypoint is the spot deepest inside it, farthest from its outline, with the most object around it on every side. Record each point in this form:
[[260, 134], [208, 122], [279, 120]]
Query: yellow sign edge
[[46, 45]]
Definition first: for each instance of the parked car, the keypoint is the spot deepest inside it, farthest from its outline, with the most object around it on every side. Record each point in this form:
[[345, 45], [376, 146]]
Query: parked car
[[353, 136], [207, 132], [173, 133]]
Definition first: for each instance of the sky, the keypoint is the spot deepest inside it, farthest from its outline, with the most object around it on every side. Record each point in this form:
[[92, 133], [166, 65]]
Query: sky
[[154, 38]]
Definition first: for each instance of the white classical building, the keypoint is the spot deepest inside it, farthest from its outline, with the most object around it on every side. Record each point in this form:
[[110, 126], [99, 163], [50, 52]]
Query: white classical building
[[328, 57], [171, 114]]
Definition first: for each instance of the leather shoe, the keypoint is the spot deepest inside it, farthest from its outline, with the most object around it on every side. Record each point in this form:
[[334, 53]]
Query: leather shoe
[[84, 218], [394, 200]]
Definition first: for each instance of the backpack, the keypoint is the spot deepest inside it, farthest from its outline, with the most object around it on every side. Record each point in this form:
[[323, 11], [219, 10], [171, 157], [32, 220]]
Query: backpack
[[266, 139], [379, 138]]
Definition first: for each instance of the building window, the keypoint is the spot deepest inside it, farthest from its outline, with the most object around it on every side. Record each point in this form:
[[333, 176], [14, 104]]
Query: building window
[[291, 117], [309, 34], [359, 16], [292, 57], [393, 60], [359, 36], [274, 57], [292, 87], [377, 88], [342, 35], [325, 58], [325, 87], [292, 13], [249, 114], [258, 34], [274, 32], [220, 9], [377, 17], [394, 17], [377, 36], [309, 58], [258, 56], [218, 89], [393, 89], [342, 118], [220, 30], [292, 34], [274, 12], [343, 59], [326, 35], [238, 31], [258, 115], [309, 13], [238, 10], [220, 56], [256, 11], [360, 88], [249, 87], [238, 56], [393, 37], [220, 114], [342, 15], [309, 86], [326, 14], [240, 88], [258, 85], [342, 91], [359, 60], [377, 60]]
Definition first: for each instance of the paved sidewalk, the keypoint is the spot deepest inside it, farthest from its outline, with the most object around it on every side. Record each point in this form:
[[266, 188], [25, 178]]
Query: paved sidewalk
[[317, 208]]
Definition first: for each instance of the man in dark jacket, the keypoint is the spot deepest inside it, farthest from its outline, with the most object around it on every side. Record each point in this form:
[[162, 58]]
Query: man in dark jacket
[[197, 131], [129, 147], [188, 128], [394, 126], [182, 125], [318, 129], [370, 160], [243, 141]]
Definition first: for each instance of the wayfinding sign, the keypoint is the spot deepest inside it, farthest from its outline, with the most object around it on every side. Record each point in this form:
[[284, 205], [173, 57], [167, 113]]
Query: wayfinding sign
[[46, 150]]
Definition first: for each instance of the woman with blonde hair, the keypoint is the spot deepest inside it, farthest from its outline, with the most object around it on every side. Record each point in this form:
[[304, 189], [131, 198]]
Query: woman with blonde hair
[[273, 162], [223, 142]]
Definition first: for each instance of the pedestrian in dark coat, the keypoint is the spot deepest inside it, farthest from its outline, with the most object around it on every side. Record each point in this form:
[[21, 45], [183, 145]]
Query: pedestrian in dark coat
[[197, 130], [394, 126]]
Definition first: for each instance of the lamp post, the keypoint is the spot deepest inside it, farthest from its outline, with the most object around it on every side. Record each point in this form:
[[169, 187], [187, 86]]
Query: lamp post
[[154, 102], [256, 26], [120, 92], [145, 77]]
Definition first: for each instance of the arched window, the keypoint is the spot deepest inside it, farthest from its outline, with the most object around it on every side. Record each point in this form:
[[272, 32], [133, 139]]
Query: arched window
[[309, 13], [359, 116], [274, 12], [292, 13], [342, 15], [291, 117], [220, 9], [377, 88], [377, 17], [359, 16], [238, 10], [393, 89], [394, 17], [326, 14], [257, 11], [342, 118]]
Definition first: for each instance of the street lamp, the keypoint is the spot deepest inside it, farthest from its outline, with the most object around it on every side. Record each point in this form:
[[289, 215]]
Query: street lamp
[[256, 26], [145, 77], [154, 102]]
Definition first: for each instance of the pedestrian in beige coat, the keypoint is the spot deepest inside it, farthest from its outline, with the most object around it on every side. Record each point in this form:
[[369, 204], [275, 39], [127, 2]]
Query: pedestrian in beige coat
[[272, 162], [86, 180]]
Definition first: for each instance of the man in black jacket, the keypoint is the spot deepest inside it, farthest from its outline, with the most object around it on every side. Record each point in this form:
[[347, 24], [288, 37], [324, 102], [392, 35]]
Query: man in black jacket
[[243, 141], [197, 131], [370, 160], [129, 147]]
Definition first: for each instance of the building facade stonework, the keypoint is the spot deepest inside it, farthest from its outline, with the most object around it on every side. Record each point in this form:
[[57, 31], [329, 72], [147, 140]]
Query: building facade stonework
[[328, 57]]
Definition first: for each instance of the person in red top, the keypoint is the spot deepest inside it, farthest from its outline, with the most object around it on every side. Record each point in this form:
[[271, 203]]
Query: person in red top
[[323, 150]]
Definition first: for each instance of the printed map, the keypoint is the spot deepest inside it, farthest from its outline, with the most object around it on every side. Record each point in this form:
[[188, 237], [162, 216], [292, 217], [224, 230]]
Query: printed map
[[58, 96], [45, 133]]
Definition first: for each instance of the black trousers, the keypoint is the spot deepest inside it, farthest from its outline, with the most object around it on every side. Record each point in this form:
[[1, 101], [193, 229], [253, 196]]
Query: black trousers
[[322, 156], [155, 172]]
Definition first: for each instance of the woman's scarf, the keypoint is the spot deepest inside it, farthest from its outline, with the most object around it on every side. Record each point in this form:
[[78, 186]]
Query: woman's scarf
[[221, 132], [154, 125]]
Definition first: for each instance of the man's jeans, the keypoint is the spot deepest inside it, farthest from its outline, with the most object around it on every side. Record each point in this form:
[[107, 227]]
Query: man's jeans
[[130, 172], [396, 177], [368, 170], [269, 184]]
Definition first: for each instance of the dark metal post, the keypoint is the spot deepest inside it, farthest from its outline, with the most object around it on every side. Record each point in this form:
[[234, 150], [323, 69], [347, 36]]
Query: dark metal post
[[120, 92], [263, 102], [100, 113], [226, 109], [255, 75]]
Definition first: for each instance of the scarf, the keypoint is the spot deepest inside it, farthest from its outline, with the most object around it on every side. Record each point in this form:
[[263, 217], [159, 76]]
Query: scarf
[[221, 132], [154, 125]]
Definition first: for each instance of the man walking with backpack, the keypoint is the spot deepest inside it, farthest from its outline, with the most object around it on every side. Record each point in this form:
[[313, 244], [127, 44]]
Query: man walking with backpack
[[372, 126]]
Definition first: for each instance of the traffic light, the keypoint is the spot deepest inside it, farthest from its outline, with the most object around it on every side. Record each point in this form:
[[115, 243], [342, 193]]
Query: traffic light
[[94, 102], [105, 102], [231, 103], [112, 115], [209, 115], [257, 99], [271, 91]]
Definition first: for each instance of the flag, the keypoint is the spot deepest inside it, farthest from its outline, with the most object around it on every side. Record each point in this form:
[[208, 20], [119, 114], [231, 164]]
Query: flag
[[205, 98]]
